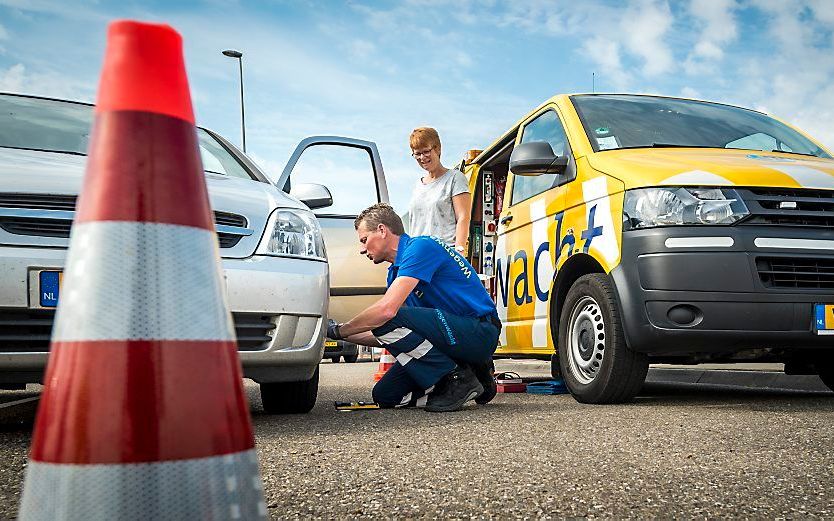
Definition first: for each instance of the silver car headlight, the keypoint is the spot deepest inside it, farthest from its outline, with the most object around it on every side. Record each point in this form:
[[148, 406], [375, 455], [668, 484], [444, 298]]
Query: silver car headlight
[[677, 206], [292, 233]]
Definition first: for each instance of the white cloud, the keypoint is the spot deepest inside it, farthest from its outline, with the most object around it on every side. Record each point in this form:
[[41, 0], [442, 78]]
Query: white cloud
[[361, 49], [822, 11], [689, 92], [4, 34], [717, 18], [52, 84], [606, 55], [644, 26], [11, 80], [793, 80]]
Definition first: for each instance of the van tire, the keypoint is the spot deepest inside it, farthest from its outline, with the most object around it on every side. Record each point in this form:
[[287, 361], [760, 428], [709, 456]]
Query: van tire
[[597, 365], [351, 359], [290, 397]]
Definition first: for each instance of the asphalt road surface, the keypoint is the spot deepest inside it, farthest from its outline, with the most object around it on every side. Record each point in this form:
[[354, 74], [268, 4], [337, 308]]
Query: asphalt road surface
[[680, 450]]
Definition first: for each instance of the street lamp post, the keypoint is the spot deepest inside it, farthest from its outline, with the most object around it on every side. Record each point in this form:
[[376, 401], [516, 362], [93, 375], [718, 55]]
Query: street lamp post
[[231, 53]]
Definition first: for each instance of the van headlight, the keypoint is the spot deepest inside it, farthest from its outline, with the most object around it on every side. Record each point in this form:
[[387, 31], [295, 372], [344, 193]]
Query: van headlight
[[292, 233], [677, 206]]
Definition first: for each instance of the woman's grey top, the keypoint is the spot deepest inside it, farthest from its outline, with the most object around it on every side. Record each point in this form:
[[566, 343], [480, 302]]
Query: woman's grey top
[[431, 211]]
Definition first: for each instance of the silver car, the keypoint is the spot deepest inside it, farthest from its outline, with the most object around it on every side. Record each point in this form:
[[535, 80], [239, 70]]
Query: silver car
[[272, 249]]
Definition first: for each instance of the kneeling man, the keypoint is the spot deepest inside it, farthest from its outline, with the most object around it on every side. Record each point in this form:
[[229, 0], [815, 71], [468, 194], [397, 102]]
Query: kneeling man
[[436, 318]]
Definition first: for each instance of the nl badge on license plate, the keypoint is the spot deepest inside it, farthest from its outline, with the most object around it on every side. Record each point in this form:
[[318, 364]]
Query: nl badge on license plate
[[50, 287], [824, 319]]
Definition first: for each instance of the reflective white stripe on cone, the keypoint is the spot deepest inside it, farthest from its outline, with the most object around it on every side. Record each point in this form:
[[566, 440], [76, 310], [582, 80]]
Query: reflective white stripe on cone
[[220, 487], [144, 280]]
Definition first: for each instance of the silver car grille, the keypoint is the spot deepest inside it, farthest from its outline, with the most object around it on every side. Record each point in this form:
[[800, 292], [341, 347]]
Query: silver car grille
[[47, 215], [29, 330]]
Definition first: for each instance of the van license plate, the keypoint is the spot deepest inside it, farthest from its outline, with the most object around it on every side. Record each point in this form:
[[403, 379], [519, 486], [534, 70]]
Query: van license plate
[[50, 287], [824, 319], [330, 343]]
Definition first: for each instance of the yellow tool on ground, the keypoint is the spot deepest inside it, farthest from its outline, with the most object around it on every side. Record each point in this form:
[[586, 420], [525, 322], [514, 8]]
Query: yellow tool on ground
[[355, 406]]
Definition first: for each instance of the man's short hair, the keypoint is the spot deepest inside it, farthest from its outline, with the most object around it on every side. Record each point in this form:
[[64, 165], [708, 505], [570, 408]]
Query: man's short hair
[[380, 213], [424, 137]]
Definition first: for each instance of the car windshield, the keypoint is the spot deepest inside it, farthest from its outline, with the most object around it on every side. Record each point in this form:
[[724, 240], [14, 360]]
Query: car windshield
[[44, 124], [621, 121], [61, 126]]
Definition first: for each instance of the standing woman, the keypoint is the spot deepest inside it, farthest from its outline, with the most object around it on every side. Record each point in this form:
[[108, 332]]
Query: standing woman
[[440, 203]]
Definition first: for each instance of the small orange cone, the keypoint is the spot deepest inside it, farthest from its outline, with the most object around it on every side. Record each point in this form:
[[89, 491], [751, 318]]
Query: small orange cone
[[386, 360], [143, 413]]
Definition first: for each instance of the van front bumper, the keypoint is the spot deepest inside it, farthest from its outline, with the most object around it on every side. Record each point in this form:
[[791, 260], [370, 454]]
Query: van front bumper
[[687, 290]]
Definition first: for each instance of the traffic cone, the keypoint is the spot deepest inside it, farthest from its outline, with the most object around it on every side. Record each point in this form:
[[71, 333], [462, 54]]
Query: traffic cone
[[143, 413], [386, 360]]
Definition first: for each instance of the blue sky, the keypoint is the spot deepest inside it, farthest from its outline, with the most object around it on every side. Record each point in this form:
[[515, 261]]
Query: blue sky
[[377, 69]]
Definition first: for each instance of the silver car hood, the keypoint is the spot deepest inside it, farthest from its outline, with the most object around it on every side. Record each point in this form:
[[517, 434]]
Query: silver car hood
[[33, 172]]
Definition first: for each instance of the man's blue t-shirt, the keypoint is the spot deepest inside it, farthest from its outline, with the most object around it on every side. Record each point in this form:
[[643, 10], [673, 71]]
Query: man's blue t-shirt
[[447, 280]]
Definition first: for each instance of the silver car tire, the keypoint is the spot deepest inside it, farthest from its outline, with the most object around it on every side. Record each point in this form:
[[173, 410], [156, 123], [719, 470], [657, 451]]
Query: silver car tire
[[290, 397]]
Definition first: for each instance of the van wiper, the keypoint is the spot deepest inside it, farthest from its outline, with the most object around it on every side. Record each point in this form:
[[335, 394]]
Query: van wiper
[[674, 145], [797, 153], [664, 145]]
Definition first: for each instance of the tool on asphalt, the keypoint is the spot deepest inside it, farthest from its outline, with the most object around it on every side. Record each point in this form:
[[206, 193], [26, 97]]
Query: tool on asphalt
[[143, 413], [509, 382], [547, 387], [355, 406], [386, 361]]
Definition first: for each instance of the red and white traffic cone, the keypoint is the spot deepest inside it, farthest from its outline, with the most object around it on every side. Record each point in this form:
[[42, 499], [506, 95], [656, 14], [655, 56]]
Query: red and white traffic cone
[[386, 360], [143, 414]]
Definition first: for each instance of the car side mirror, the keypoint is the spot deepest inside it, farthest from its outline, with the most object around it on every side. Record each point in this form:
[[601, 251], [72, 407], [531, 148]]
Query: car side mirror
[[536, 158], [313, 195]]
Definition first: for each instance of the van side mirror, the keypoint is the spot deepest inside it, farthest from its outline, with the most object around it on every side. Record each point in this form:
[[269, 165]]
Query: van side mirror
[[313, 195], [536, 158]]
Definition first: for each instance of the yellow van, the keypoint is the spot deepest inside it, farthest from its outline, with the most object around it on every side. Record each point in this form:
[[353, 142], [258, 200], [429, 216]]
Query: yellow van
[[617, 230]]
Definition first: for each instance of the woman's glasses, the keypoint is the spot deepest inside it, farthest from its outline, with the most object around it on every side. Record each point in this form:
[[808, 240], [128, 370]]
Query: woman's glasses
[[417, 154]]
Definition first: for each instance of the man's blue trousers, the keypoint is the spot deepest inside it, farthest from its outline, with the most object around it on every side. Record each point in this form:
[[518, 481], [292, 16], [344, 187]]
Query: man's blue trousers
[[427, 344]]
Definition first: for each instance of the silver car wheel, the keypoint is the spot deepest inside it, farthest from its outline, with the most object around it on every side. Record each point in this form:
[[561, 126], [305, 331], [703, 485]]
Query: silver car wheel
[[586, 337]]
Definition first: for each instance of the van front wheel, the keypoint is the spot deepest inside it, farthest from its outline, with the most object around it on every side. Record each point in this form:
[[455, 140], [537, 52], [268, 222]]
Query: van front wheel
[[597, 365]]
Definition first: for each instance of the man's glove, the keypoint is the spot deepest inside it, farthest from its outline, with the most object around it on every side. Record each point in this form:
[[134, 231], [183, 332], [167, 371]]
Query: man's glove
[[333, 330]]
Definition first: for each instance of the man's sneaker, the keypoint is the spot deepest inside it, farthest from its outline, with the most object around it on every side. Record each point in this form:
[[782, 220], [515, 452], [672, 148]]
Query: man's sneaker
[[483, 372], [454, 390]]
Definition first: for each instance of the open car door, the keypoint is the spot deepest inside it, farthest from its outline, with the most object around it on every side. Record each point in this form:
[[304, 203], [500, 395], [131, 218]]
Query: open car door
[[352, 170]]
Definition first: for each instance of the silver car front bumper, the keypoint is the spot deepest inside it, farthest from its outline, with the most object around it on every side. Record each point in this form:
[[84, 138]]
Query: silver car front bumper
[[278, 305]]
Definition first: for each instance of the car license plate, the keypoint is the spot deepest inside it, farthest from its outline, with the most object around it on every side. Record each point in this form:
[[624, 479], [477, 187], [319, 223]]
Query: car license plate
[[824, 319], [50, 287], [330, 343]]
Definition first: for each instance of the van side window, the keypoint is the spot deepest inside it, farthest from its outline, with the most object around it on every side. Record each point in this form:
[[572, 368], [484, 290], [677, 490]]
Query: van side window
[[545, 127]]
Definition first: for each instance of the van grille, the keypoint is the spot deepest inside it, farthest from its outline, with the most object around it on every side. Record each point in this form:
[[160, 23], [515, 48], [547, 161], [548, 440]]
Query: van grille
[[45, 227], [793, 272], [789, 207], [29, 330]]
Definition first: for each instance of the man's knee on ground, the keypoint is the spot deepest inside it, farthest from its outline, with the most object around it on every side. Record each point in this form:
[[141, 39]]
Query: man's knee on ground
[[384, 397]]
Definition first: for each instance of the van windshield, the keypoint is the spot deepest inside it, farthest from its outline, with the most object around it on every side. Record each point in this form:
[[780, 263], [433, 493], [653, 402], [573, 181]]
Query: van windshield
[[623, 121]]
